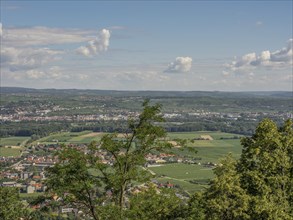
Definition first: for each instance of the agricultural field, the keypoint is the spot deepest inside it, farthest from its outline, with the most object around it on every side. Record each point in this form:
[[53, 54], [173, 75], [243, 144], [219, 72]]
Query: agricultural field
[[84, 137], [181, 174], [197, 134], [215, 147], [10, 152], [13, 141]]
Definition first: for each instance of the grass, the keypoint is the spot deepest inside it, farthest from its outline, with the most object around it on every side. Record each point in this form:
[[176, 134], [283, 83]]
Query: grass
[[13, 141], [181, 174], [207, 150], [191, 135], [212, 151], [30, 195], [10, 152], [84, 137]]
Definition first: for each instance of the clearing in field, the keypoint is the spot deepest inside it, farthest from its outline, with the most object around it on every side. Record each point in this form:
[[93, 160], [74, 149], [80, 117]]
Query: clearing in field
[[174, 144], [10, 152], [93, 134], [206, 137]]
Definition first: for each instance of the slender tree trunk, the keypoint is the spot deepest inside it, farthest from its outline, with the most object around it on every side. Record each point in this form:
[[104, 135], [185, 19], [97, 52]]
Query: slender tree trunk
[[121, 198]]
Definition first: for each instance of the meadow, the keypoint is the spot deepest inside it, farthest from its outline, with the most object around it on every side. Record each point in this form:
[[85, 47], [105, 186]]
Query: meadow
[[10, 152], [196, 177], [181, 174], [13, 141], [6, 149], [84, 137]]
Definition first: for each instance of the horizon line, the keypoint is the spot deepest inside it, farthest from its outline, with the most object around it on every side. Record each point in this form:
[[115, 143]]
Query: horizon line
[[122, 90]]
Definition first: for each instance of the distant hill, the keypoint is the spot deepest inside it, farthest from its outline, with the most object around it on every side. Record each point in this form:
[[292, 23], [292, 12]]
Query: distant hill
[[277, 94]]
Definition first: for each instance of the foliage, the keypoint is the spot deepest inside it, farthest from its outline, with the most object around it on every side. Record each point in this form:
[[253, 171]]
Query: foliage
[[155, 204], [129, 153], [71, 180], [11, 205], [259, 185], [266, 170], [225, 199]]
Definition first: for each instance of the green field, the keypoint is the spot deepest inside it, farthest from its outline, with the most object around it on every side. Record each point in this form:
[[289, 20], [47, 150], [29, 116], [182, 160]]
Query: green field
[[207, 150], [13, 141], [181, 174], [10, 152], [84, 137], [197, 134], [30, 195]]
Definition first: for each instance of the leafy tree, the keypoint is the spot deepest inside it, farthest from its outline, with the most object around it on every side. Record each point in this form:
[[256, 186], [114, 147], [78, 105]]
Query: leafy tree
[[11, 206], [266, 170], [71, 180], [225, 199], [260, 184], [196, 207], [143, 136], [155, 204]]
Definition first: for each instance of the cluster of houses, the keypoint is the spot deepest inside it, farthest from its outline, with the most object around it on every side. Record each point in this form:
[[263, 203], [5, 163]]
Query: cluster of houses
[[27, 173], [27, 182]]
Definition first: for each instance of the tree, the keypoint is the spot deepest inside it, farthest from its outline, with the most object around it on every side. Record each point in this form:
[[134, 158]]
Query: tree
[[11, 205], [266, 170], [72, 179], [153, 203], [142, 137], [225, 199], [195, 209], [260, 184]]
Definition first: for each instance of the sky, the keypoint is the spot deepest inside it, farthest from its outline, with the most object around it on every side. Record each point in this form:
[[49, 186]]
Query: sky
[[147, 45]]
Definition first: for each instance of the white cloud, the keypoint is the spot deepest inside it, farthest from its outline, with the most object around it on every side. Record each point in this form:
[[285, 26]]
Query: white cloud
[[117, 28], [278, 59], [83, 76], [53, 73], [100, 44], [39, 75], [1, 30], [38, 36], [225, 73], [16, 59], [181, 64], [258, 23], [35, 74]]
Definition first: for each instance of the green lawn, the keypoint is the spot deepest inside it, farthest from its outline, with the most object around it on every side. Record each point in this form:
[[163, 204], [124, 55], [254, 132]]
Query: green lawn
[[13, 141], [181, 174], [30, 195], [213, 154], [66, 137], [9, 152]]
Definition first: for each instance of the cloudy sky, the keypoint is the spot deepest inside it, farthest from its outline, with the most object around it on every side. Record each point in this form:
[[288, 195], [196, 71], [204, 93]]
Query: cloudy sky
[[166, 45]]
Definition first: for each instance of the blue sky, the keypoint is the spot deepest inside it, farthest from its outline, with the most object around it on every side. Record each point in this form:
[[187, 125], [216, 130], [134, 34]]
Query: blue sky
[[165, 45]]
